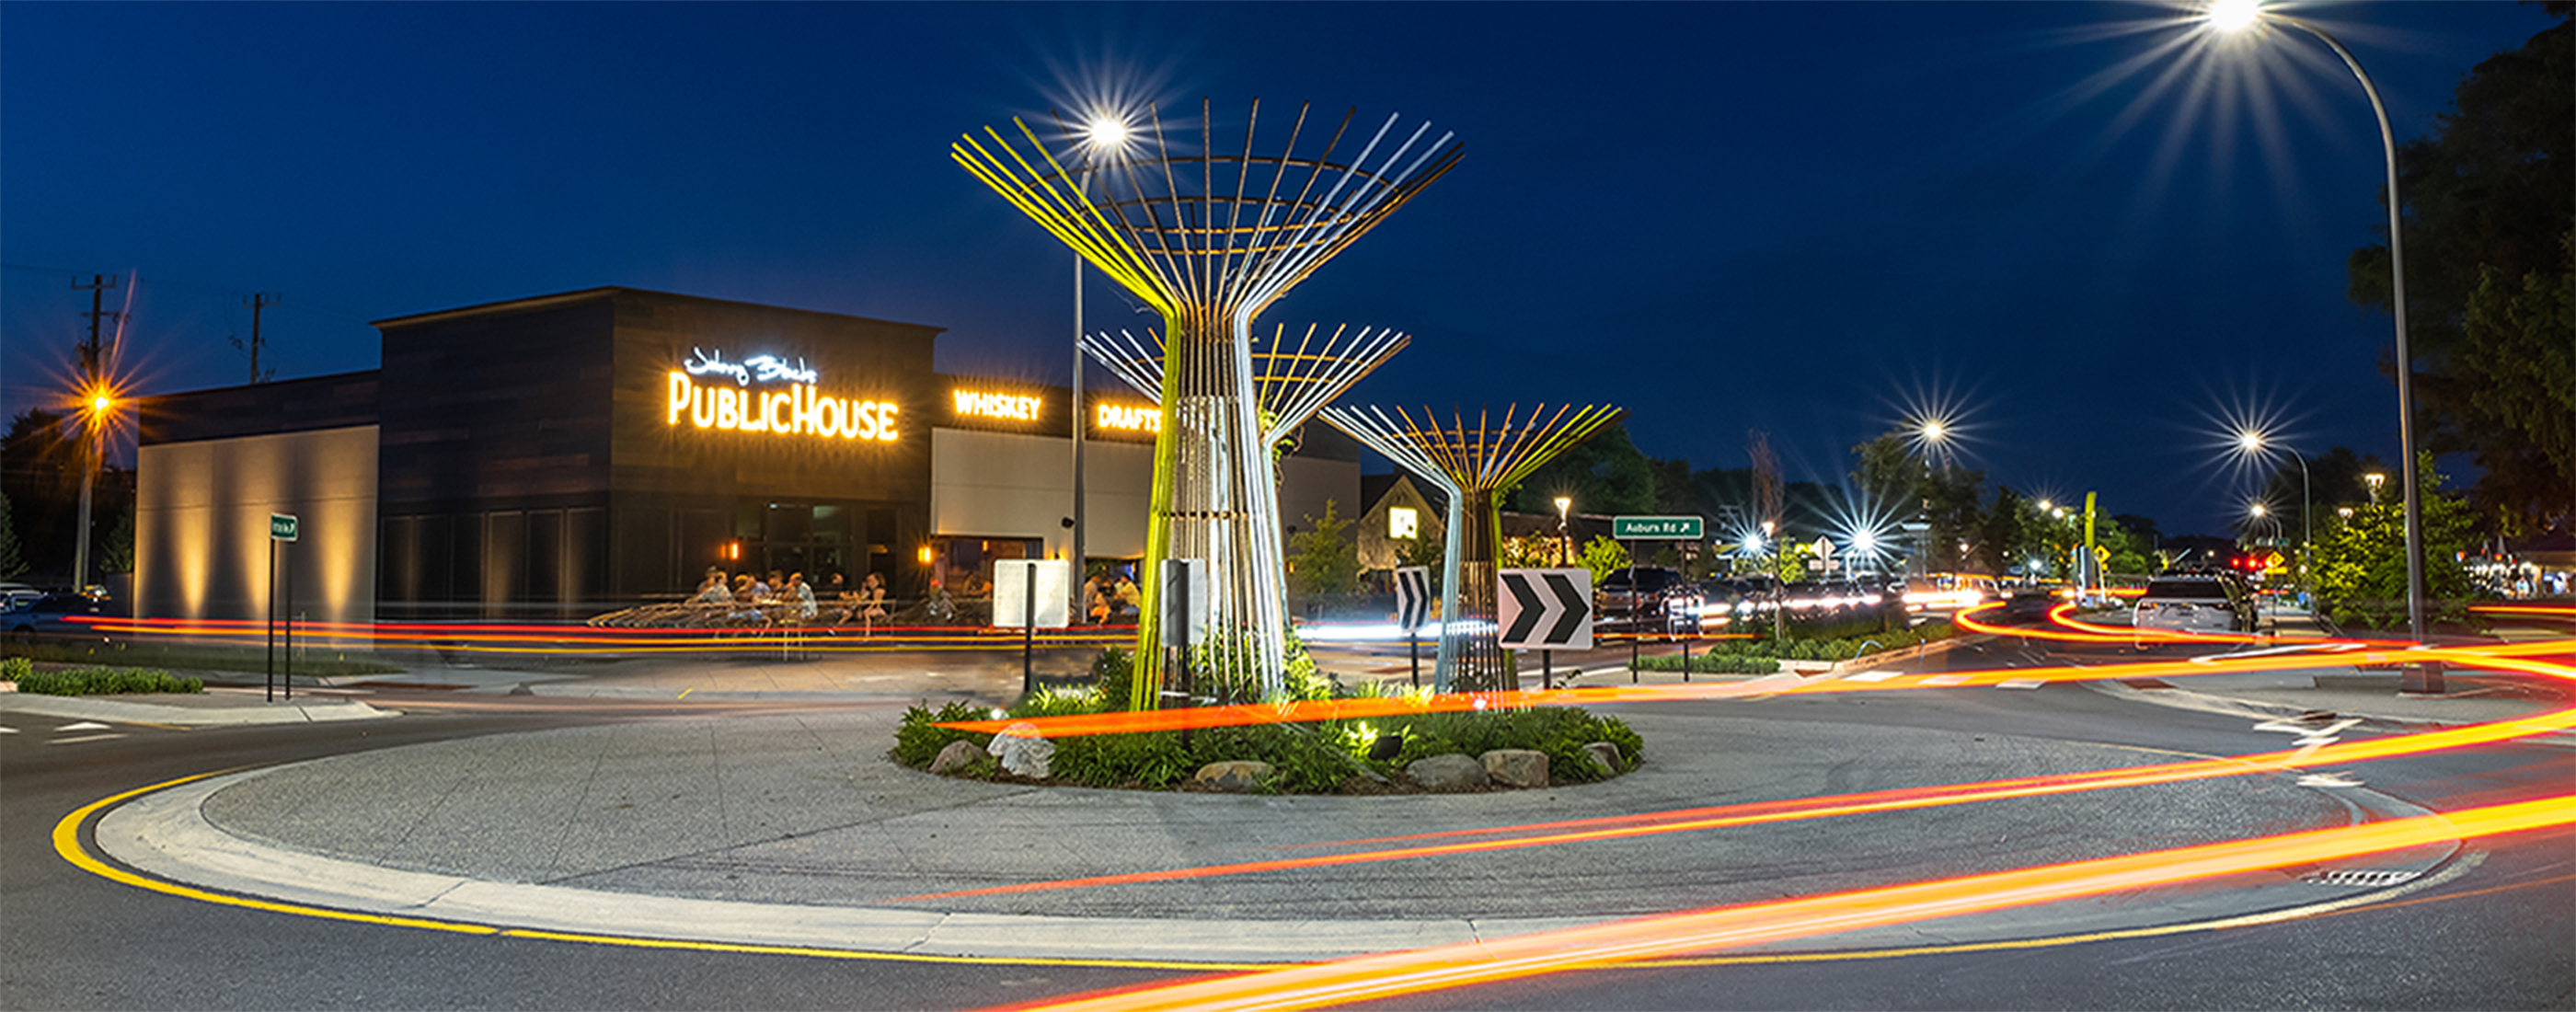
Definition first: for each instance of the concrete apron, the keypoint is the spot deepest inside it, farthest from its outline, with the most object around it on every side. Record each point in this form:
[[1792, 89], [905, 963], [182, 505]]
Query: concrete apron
[[168, 835]]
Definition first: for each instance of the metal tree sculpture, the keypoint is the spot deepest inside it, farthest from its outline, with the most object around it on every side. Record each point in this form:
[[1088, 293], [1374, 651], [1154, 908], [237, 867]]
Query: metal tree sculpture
[[1474, 466], [1208, 237], [1289, 383]]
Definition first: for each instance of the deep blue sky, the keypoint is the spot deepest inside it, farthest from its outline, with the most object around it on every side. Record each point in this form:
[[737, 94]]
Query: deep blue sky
[[1804, 218]]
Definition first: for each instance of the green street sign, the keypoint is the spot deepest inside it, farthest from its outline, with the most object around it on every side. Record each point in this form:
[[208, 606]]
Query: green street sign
[[281, 526], [1650, 528]]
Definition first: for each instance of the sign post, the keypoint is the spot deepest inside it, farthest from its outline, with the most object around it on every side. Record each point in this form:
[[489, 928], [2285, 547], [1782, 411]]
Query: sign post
[[1545, 610], [1029, 593], [1680, 527], [282, 528], [1412, 607]]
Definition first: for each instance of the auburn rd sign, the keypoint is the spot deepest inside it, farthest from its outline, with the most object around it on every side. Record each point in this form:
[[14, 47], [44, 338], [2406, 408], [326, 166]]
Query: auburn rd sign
[[1650, 528]]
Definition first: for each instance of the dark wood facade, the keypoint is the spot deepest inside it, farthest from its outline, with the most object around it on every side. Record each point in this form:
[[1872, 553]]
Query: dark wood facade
[[530, 467]]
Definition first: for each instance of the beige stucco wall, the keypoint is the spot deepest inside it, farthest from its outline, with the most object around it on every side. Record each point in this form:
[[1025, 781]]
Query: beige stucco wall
[[1003, 484], [201, 525]]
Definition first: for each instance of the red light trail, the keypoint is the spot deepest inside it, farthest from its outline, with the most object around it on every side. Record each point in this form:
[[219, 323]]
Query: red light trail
[[1389, 975]]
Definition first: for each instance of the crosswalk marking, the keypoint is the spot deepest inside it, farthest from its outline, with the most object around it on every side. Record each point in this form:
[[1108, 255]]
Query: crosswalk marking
[[83, 738], [8, 730], [1874, 676], [2022, 683], [1941, 680], [86, 725]]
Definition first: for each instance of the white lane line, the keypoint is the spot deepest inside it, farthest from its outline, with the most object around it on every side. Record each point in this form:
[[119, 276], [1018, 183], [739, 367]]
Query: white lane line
[[1941, 680], [86, 725], [1874, 676], [83, 738], [2022, 683], [8, 730]]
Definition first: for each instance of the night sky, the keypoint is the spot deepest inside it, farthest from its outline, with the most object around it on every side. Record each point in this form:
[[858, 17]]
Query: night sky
[[2091, 240]]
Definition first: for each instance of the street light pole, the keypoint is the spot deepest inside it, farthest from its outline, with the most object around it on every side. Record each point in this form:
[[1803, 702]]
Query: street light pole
[[2419, 678]]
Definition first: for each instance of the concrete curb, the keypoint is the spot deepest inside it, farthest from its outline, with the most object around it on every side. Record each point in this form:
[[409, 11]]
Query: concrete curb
[[261, 712]]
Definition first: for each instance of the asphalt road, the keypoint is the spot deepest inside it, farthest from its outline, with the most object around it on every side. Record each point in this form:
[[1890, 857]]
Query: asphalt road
[[2497, 935]]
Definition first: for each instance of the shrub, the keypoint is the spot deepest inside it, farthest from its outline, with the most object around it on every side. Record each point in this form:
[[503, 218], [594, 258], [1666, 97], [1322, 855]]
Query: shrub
[[917, 740], [1113, 676], [103, 682], [15, 668]]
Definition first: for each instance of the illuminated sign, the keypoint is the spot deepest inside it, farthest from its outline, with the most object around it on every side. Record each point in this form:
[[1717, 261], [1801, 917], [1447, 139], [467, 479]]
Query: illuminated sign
[[1402, 522], [796, 409], [1121, 417], [978, 404], [756, 369]]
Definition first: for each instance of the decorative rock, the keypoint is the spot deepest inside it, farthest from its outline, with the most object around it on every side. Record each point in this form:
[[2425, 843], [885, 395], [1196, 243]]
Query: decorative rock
[[1605, 756], [1023, 751], [1236, 775], [957, 756], [1451, 772], [1516, 767]]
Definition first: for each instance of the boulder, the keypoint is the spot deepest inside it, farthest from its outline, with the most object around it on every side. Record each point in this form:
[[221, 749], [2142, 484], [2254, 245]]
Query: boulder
[[1235, 775], [1516, 767], [958, 756], [1605, 757], [1451, 772], [1023, 751]]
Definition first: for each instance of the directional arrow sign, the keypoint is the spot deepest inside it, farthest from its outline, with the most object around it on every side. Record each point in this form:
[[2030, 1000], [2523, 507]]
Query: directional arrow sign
[[1647, 528], [1412, 596], [1545, 609]]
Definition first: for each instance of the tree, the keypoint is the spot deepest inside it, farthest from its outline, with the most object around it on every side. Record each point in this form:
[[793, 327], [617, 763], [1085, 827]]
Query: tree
[[1320, 559], [1604, 473], [1601, 555], [11, 562], [116, 551], [2492, 196], [2361, 560]]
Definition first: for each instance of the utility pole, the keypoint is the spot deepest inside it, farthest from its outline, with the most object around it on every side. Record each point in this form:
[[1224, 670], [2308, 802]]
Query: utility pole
[[256, 302], [92, 357]]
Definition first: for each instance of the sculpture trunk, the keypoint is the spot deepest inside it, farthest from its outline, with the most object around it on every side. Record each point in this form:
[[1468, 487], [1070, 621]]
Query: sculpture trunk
[[1482, 664], [1215, 498]]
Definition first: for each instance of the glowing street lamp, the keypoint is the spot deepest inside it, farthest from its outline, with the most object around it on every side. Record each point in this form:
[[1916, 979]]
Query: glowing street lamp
[[2375, 479], [2252, 442], [98, 405], [1104, 136], [2241, 16]]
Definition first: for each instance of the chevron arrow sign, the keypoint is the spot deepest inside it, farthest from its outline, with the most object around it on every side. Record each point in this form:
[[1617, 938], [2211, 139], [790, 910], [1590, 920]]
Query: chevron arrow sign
[[1412, 596], [1545, 609]]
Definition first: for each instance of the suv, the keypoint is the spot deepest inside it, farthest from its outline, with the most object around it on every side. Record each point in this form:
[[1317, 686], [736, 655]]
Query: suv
[[1641, 598], [2194, 603], [47, 618]]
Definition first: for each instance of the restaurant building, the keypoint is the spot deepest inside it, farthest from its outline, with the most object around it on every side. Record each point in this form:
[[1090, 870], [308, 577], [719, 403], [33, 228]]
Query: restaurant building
[[562, 455]]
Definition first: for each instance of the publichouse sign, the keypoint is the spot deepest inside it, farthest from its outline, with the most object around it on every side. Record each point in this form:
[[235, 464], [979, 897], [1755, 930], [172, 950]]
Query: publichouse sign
[[768, 394]]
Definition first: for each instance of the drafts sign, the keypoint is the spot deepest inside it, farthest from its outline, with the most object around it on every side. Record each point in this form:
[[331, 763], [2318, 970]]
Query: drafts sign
[[1412, 597], [1651, 528], [1546, 609], [281, 526]]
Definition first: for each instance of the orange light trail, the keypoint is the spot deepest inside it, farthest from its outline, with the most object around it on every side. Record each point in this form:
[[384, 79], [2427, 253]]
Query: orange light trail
[[561, 639], [1389, 975], [1549, 834]]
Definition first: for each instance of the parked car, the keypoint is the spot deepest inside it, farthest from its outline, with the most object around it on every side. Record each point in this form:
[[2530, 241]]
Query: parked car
[[49, 618], [11, 594], [2195, 603], [1647, 598]]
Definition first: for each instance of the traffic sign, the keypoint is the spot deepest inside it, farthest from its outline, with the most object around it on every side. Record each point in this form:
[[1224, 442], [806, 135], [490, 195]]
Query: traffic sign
[[1652, 528], [1014, 580], [281, 526], [1546, 609], [1412, 596]]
